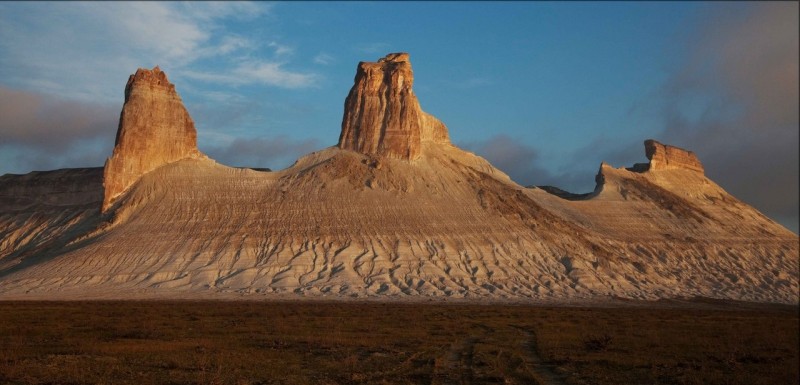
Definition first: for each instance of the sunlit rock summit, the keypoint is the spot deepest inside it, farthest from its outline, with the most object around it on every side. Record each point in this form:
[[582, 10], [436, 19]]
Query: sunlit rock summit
[[394, 211], [382, 115], [663, 157], [154, 129]]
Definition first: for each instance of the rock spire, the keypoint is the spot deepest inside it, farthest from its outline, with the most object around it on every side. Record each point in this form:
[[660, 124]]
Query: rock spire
[[154, 129], [382, 115]]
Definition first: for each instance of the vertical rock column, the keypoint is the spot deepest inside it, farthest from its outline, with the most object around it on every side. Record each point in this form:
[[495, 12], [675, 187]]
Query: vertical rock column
[[382, 115], [154, 129]]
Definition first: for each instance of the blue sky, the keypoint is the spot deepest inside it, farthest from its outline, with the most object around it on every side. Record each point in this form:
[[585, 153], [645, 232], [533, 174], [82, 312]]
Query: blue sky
[[546, 91]]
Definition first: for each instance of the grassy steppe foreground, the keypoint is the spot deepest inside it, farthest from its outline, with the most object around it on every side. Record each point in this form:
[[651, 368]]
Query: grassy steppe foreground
[[217, 342]]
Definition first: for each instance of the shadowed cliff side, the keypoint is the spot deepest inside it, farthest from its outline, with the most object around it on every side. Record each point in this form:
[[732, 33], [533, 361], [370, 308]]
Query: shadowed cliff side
[[43, 211]]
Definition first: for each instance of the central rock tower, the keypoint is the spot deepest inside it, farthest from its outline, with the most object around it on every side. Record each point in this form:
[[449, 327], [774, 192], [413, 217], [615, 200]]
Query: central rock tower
[[382, 115]]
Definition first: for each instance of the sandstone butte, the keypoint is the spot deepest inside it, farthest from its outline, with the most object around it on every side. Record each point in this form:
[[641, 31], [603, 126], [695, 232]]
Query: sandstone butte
[[394, 212]]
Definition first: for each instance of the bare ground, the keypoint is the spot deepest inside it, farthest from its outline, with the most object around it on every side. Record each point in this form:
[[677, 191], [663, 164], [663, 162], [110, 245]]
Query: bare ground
[[234, 342]]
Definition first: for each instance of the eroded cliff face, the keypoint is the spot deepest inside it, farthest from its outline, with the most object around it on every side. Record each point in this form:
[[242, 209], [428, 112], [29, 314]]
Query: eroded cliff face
[[395, 212], [154, 129], [382, 116], [665, 157]]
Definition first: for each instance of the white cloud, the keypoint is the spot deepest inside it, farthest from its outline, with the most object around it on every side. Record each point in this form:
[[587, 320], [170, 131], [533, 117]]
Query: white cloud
[[227, 45], [155, 27], [63, 67], [86, 50], [273, 74], [221, 96], [209, 10], [261, 72], [280, 49], [323, 59]]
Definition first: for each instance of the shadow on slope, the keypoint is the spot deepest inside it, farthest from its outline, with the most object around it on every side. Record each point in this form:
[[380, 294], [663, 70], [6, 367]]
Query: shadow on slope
[[45, 213]]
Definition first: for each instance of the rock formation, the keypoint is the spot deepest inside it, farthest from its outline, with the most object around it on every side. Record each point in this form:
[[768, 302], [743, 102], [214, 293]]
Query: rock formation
[[382, 115], [154, 129], [372, 222], [665, 157]]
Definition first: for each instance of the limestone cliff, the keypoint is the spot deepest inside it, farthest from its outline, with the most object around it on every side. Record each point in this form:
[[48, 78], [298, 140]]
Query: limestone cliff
[[665, 157], [154, 129], [382, 115]]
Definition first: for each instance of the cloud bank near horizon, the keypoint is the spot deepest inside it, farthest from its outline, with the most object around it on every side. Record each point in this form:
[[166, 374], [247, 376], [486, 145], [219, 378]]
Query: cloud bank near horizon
[[734, 101]]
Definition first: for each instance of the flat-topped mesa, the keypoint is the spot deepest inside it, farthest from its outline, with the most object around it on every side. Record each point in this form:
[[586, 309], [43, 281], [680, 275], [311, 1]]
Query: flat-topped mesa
[[154, 129], [665, 157], [382, 115]]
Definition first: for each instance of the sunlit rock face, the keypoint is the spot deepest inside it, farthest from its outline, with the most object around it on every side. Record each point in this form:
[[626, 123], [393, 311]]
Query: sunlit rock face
[[665, 157], [382, 115], [154, 129]]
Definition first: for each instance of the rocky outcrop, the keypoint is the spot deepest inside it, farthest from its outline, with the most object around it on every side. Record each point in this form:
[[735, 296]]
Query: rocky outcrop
[[382, 115], [664, 157], [154, 129], [338, 223]]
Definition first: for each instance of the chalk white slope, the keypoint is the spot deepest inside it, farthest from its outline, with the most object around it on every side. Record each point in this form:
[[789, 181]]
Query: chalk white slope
[[339, 223]]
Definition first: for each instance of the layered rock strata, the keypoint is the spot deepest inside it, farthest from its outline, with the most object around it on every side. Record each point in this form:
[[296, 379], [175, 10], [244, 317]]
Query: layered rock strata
[[665, 157], [154, 129], [342, 223], [382, 115]]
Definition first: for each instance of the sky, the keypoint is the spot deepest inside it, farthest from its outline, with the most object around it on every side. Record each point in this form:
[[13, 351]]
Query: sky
[[546, 91]]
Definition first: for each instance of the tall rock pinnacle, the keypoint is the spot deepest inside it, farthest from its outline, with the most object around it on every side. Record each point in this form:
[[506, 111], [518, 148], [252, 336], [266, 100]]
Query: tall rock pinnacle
[[154, 129], [382, 115]]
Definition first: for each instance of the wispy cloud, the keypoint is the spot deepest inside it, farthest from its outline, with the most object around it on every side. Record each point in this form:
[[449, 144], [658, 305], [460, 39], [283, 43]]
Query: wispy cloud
[[248, 72], [323, 59], [240, 10], [227, 45], [86, 50], [62, 64], [280, 49]]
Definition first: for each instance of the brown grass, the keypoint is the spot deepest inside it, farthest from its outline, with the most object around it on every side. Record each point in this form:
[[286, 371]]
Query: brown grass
[[377, 343]]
